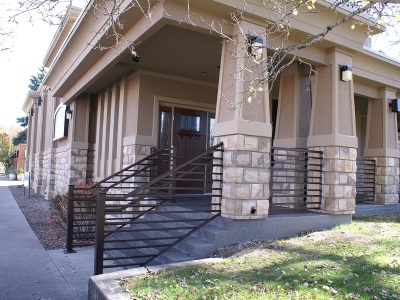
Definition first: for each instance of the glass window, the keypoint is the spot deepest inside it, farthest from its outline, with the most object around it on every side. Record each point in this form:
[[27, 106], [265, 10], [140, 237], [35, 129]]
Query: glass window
[[165, 129], [189, 122], [211, 121]]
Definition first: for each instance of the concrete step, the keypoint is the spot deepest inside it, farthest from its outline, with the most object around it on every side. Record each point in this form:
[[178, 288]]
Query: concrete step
[[196, 247], [213, 233], [173, 255], [200, 244]]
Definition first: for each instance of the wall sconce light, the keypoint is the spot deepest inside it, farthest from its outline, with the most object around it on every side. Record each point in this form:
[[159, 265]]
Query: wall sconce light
[[255, 47], [31, 112], [39, 101], [135, 57], [26, 121], [395, 105], [69, 113], [346, 73]]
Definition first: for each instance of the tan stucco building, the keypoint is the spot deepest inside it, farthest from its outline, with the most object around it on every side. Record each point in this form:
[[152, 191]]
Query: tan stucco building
[[98, 110]]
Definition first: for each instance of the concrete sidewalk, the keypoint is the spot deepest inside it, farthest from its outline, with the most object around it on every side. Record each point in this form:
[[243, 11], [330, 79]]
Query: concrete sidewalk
[[27, 270]]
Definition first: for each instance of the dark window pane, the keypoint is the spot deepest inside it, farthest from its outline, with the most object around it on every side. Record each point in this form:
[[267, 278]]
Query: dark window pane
[[165, 125], [191, 123], [211, 122]]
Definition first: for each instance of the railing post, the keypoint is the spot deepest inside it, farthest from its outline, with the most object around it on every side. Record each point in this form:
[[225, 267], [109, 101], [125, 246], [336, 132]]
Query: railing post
[[99, 235], [174, 182], [70, 219], [305, 185], [270, 184]]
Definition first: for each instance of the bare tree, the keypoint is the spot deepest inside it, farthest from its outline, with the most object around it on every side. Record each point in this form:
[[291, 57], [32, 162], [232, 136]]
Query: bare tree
[[357, 13]]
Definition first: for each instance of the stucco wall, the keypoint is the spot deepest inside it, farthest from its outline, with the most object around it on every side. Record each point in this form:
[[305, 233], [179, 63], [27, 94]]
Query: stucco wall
[[151, 86]]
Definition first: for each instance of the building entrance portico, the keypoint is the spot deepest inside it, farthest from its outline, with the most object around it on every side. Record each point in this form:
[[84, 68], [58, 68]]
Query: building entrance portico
[[189, 132]]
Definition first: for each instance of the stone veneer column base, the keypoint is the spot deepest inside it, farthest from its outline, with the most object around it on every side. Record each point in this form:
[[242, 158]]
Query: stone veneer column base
[[133, 153], [245, 187], [338, 179], [387, 180], [38, 180]]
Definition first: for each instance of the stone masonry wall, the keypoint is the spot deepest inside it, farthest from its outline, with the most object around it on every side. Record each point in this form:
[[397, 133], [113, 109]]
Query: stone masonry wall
[[61, 166], [78, 166], [387, 180], [339, 179], [48, 175], [31, 168], [70, 168], [288, 183], [90, 166], [245, 188], [38, 179], [133, 153]]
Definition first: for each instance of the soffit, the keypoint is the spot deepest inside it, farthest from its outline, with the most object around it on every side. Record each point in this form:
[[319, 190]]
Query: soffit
[[175, 51]]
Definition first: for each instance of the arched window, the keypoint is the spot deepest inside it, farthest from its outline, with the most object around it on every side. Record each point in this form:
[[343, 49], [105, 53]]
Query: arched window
[[60, 122]]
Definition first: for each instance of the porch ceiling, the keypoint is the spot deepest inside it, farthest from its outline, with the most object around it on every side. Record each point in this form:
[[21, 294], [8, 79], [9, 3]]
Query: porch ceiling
[[175, 51]]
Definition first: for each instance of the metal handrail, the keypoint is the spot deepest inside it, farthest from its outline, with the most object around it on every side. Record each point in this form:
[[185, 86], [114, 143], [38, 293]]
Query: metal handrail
[[169, 182], [365, 180], [94, 189], [139, 162], [301, 169]]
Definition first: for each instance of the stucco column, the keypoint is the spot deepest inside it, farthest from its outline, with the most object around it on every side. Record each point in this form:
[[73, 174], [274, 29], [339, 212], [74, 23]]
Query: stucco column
[[40, 119], [78, 152], [381, 144], [294, 107], [33, 120], [243, 124], [293, 125], [49, 163], [333, 131]]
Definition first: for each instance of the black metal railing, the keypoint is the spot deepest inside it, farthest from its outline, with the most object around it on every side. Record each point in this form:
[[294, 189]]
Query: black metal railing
[[134, 229], [296, 179], [81, 213], [365, 180]]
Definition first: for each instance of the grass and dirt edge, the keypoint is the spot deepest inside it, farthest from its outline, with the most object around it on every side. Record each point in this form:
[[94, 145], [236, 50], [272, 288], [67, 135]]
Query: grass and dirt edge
[[360, 260]]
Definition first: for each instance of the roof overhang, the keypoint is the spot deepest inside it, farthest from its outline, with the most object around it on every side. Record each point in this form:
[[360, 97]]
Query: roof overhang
[[30, 99]]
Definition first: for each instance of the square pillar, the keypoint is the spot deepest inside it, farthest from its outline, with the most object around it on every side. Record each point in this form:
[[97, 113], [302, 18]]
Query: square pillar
[[333, 131], [293, 124], [243, 124], [294, 107], [381, 145]]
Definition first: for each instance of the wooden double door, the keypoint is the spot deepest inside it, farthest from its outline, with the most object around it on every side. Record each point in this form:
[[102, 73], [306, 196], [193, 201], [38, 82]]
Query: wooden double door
[[190, 132]]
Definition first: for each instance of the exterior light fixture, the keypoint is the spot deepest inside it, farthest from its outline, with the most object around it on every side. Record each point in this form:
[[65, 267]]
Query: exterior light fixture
[[69, 113], [39, 102], [31, 112], [135, 57], [395, 105], [255, 46], [346, 73]]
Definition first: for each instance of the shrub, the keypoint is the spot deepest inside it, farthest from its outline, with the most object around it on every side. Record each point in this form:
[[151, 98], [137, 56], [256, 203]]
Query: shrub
[[10, 170], [59, 204], [84, 210]]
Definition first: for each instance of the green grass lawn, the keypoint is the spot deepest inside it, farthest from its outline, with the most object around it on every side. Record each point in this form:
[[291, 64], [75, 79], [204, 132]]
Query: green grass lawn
[[355, 261]]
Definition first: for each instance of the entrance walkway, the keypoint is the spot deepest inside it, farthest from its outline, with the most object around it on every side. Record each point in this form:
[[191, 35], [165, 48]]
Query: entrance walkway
[[27, 270]]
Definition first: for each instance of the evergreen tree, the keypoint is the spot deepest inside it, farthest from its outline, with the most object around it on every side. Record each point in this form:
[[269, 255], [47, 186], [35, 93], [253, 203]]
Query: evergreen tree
[[37, 79], [21, 136]]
